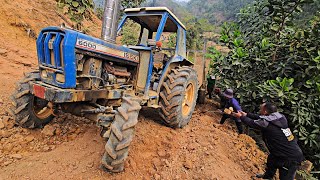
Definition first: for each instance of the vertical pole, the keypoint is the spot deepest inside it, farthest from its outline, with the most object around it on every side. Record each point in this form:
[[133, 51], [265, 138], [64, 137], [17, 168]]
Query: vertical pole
[[204, 61], [110, 20]]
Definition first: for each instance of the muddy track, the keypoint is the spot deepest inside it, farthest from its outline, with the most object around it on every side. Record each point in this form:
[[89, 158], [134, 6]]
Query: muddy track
[[71, 147]]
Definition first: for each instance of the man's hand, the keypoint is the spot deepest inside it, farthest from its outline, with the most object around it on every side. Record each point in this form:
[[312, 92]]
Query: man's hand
[[237, 115], [243, 113]]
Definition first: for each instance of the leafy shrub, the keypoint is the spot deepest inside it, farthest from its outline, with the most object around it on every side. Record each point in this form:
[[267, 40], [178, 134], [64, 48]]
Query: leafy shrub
[[76, 9], [273, 59], [130, 33]]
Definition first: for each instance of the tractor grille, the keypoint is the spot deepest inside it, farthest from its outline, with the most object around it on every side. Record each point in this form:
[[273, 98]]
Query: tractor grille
[[50, 50]]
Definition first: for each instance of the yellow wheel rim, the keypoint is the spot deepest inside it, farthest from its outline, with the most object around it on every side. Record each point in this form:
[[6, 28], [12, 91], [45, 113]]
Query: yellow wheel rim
[[188, 100], [42, 109]]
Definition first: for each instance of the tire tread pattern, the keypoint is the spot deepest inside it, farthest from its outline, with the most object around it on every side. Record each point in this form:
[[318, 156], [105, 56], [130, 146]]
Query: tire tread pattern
[[121, 135], [172, 94], [21, 110]]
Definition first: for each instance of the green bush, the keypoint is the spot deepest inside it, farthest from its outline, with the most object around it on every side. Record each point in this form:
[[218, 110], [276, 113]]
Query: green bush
[[76, 9], [274, 59]]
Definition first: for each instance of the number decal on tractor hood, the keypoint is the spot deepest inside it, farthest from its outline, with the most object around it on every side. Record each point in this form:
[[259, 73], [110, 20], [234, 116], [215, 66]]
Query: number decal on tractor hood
[[84, 44]]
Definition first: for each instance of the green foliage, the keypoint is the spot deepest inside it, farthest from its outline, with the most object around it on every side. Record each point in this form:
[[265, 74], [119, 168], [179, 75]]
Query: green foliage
[[99, 8], [99, 12], [273, 59], [130, 33], [124, 3], [305, 175], [195, 29], [76, 9], [172, 41], [130, 4], [309, 9]]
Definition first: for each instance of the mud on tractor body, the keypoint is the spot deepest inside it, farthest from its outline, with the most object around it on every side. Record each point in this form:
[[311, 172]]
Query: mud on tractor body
[[107, 83]]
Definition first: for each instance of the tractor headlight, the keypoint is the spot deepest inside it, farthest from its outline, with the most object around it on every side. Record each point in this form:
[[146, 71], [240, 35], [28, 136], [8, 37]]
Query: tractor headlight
[[44, 74], [60, 78]]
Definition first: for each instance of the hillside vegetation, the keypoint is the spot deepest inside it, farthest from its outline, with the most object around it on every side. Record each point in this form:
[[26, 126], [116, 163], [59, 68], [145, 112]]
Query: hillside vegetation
[[216, 11], [274, 58]]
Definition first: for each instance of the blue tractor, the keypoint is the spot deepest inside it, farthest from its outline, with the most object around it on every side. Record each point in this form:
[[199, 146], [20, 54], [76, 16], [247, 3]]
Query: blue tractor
[[108, 83]]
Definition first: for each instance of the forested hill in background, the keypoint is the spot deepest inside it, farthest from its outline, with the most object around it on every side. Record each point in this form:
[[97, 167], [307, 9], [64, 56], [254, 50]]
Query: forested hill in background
[[178, 8], [215, 11]]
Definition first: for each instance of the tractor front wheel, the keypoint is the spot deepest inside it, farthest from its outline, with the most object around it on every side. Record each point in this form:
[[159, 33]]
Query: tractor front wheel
[[29, 111], [121, 134], [178, 96]]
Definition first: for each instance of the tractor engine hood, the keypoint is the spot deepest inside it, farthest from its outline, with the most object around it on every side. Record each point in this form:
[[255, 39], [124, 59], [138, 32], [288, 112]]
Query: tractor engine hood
[[57, 48]]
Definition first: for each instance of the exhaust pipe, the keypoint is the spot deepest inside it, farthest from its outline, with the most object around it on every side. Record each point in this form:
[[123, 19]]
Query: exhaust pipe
[[110, 20]]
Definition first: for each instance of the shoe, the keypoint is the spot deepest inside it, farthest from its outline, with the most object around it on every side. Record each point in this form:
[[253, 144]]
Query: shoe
[[262, 176]]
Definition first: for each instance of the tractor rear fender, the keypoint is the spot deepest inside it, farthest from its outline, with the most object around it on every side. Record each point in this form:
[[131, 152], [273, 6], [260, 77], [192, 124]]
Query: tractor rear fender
[[174, 62]]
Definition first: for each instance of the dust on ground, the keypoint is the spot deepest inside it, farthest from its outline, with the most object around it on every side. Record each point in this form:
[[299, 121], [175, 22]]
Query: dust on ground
[[70, 147]]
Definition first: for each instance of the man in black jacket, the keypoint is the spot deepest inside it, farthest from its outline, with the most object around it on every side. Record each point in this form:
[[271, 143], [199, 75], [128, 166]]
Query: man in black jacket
[[285, 153]]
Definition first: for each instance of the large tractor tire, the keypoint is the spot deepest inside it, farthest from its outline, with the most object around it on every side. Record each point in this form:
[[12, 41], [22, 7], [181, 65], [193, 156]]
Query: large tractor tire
[[178, 96], [121, 135], [29, 111]]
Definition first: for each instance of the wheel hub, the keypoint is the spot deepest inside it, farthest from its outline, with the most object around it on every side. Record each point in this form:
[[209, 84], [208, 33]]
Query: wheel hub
[[188, 99], [41, 108]]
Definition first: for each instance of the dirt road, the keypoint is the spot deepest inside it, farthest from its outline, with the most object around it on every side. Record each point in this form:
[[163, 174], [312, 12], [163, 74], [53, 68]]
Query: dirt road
[[71, 148]]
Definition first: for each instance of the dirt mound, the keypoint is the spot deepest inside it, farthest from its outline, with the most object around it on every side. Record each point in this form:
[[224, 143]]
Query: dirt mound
[[17, 142]]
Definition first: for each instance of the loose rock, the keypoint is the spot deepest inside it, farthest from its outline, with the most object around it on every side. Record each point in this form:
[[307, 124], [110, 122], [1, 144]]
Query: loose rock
[[58, 131], [156, 163], [5, 134], [90, 165], [1, 124], [46, 148], [3, 52], [7, 123], [188, 164], [29, 138], [7, 163], [49, 131], [16, 156], [157, 177], [5, 119], [162, 153]]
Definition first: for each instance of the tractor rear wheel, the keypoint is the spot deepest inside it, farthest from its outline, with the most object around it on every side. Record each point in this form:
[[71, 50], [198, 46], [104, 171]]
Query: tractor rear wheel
[[121, 135], [178, 96], [29, 111]]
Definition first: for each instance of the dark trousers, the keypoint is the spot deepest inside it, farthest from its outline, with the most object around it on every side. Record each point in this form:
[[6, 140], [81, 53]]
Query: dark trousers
[[287, 169], [236, 120], [210, 90]]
